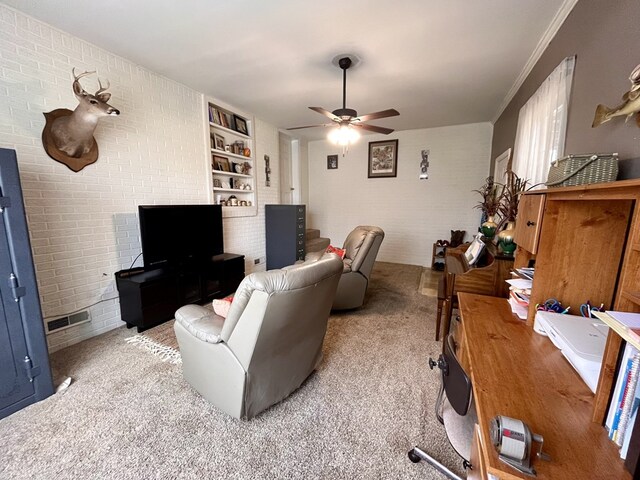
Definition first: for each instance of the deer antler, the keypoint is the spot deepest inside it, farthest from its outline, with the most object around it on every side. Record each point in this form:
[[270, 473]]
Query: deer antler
[[102, 89], [78, 77]]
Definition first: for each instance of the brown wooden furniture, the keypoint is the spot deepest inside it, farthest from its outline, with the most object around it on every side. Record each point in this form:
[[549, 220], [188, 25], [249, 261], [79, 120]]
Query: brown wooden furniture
[[442, 302], [588, 249], [487, 278], [520, 374]]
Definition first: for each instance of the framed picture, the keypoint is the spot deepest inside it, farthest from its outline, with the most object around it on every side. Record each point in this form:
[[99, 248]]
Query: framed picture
[[217, 183], [332, 162], [221, 163], [219, 141], [241, 125], [383, 159]]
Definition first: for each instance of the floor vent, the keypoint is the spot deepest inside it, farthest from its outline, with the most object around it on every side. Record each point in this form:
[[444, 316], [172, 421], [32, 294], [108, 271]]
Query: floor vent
[[69, 321]]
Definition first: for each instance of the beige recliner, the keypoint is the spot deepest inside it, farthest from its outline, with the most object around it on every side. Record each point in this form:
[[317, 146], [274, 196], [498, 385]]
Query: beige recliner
[[361, 249], [270, 342]]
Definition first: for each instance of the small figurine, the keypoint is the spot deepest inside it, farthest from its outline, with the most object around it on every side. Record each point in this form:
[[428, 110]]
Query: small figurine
[[630, 103]]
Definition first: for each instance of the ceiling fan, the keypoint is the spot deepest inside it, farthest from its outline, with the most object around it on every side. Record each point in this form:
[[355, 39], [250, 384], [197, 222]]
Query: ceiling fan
[[347, 117]]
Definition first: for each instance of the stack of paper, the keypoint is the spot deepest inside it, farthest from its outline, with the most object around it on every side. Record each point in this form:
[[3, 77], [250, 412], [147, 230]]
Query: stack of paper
[[520, 291]]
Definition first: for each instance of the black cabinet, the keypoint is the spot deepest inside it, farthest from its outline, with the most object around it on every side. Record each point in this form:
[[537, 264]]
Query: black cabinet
[[285, 230], [25, 377], [149, 298]]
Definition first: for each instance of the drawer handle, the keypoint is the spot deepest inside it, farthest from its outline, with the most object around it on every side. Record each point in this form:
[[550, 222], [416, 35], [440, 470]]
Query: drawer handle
[[530, 223]]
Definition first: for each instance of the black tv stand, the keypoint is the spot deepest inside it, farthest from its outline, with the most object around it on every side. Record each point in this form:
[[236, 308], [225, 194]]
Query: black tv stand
[[151, 297]]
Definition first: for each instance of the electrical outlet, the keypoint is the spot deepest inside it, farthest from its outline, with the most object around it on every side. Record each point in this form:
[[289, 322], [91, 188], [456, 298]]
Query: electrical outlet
[[256, 261]]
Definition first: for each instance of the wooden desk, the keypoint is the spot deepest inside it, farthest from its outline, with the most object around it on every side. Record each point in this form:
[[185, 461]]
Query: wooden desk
[[488, 278], [520, 374]]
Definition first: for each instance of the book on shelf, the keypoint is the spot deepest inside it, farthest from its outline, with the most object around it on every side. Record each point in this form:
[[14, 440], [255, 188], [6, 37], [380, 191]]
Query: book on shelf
[[625, 407], [625, 399]]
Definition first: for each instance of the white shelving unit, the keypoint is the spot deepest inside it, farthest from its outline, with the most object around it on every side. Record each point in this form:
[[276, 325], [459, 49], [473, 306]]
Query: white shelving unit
[[231, 149]]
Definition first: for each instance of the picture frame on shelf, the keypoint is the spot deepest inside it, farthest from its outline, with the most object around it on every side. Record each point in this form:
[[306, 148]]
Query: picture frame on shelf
[[221, 163], [383, 159], [219, 141], [217, 183], [241, 125], [332, 162]]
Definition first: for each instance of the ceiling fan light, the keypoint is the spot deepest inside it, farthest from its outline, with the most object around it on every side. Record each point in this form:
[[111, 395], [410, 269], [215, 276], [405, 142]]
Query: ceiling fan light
[[344, 135]]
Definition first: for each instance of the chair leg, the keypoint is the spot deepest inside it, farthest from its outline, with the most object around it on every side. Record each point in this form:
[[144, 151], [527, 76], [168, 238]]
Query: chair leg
[[416, 454]]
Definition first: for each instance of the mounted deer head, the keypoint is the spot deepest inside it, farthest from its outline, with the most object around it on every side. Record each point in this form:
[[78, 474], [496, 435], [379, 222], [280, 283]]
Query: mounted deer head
[[68, 136]]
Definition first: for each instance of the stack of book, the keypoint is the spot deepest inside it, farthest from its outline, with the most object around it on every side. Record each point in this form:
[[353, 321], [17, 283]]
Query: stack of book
[[625, 400], [520, 291], [220, 117]]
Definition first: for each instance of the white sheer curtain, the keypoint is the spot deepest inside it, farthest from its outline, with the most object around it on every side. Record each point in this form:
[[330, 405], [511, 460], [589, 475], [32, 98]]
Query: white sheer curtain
[[542, 125]]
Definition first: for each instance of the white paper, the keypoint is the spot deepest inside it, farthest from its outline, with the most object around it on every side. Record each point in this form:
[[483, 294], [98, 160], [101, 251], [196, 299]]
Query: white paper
[[631, 320], [521, 283]]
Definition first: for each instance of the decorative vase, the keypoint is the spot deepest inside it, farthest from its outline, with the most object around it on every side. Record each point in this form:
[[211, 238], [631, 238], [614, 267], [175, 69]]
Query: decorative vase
[[489, 227], [505, 238]]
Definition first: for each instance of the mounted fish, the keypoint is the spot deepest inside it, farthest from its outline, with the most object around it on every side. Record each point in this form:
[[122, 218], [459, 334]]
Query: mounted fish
[[68, 136], [630, 103]]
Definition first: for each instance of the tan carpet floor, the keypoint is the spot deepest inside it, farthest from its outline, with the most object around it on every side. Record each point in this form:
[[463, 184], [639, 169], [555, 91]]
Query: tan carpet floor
[[128, 415]]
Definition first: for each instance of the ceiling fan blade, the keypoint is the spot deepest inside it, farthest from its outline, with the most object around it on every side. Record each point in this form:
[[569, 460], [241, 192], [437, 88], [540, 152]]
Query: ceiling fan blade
[[311, 126], [326, 113], [392, 112], [373, 128]]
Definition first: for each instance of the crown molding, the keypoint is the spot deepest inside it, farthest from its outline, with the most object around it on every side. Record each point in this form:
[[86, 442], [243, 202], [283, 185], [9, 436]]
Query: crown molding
[[551, 31]]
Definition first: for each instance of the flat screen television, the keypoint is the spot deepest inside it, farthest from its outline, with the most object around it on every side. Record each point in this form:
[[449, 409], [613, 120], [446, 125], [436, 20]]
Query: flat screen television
[[179, 235]]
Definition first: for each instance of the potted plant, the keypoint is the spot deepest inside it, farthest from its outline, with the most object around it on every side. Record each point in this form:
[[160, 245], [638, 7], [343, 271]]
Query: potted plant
[[491, 194]]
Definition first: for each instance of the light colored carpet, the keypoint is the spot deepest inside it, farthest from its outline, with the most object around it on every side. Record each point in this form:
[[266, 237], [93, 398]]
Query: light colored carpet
[[128, 415]]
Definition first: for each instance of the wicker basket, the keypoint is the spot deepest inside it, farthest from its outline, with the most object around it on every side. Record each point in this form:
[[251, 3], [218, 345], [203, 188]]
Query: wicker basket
[[583, 169]]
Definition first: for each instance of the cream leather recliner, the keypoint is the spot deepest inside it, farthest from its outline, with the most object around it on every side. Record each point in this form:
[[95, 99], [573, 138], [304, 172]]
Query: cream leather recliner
[[361, 249], [270, 342]]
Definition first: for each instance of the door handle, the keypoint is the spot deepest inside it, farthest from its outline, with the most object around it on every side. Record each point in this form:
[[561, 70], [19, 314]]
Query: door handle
[[530, 223]]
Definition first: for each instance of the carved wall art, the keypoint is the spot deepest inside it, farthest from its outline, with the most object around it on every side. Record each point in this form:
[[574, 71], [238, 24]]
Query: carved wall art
[[629, 107]]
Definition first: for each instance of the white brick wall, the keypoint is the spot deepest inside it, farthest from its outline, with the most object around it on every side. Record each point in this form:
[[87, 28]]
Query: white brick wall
[[246, 235], [413, 213], [84, 225]]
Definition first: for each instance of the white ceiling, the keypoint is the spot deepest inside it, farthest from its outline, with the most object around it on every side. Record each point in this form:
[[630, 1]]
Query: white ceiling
[[437, 62]]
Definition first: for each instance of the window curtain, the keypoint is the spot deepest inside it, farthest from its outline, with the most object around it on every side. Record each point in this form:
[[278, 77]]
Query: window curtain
[[542, 125]]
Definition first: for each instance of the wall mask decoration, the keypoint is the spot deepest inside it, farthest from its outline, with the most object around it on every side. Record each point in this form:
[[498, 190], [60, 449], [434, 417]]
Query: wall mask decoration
[[68, 135], [424, 165], [267, 171], [630, 103]]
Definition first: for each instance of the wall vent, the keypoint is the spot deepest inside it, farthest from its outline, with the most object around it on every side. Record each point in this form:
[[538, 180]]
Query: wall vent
[[68, 321]]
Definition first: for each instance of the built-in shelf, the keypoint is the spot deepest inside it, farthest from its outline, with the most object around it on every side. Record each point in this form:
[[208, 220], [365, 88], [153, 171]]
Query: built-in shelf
[[234, 190], [228, 130], [231, 174], [225, 140], [224, 153]]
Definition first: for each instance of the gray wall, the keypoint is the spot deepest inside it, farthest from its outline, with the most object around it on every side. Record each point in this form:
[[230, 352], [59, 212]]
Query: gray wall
[[605, 36]]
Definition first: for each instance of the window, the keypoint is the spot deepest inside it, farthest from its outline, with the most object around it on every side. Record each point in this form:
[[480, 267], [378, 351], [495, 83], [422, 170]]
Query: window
[[542, 125]]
